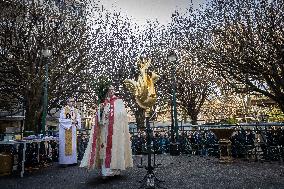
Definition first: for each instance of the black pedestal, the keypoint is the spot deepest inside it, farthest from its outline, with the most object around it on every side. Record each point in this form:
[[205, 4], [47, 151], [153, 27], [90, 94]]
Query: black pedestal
[[150, 180], [174, 149]]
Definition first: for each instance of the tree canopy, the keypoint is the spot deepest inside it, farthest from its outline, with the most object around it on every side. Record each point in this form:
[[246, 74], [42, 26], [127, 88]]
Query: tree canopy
[[223, 43]]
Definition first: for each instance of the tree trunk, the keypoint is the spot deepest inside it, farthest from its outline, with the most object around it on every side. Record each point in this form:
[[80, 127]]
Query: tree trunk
[[32, 118], [33, 111], [193, 119], [280, 103], [193, 116], [31, 123]]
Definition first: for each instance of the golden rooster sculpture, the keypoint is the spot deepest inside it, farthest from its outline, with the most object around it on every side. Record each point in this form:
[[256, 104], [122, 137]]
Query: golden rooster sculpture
[[143, 89]]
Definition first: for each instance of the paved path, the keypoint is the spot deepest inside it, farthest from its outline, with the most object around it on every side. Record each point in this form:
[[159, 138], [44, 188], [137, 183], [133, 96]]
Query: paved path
[[178, 171]]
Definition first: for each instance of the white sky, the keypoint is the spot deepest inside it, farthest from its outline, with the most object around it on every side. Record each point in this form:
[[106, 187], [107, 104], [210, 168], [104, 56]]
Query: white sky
[[142, 10]]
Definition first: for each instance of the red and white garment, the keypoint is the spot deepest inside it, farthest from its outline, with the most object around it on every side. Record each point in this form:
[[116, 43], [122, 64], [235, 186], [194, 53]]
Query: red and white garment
[[109, 146]]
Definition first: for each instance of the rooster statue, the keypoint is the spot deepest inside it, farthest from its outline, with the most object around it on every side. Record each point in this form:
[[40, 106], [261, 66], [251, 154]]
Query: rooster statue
[[143, 89]]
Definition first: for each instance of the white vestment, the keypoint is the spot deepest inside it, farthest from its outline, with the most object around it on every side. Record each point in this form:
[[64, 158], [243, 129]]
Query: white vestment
[[110, 150], [64, 124], [90, 150]]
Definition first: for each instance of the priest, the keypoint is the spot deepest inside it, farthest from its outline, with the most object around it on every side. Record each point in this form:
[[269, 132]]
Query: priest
[[69, 122], [109, 147]]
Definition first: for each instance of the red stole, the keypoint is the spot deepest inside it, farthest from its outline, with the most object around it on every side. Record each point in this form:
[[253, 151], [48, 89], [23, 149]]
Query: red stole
[[110, 130]]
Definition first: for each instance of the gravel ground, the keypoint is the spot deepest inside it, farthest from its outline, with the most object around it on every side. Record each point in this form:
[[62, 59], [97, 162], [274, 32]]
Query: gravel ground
[[177, 171]]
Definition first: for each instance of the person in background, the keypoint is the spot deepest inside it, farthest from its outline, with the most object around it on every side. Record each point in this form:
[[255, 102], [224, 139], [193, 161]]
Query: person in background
[[69, 122]]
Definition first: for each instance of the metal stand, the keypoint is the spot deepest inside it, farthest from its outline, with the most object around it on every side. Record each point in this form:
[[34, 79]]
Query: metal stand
[[174, 149], [150, 180]]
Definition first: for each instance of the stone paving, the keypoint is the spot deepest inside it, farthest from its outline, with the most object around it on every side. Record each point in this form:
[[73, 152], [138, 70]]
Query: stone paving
[[177, 171]]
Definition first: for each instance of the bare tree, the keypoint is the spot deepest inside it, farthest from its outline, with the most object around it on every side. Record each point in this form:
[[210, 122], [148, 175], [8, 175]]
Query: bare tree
[[195, 81], [246, 47], [27, 29]]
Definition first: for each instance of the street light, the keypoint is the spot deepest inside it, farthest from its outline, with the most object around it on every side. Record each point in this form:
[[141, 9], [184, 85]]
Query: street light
[[172, 57], [46, 53], [174, 146], [282, 50]]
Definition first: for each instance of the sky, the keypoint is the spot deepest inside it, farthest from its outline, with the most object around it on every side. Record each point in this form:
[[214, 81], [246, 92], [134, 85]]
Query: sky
[[142, 10]]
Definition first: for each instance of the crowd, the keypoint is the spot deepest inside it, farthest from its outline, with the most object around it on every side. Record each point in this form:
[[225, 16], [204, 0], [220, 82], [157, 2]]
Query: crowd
[[261, 144]]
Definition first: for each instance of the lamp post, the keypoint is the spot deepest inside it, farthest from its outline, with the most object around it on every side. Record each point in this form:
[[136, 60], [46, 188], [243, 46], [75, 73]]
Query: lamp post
[[46, 53], [282, 51], [174, 148]]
